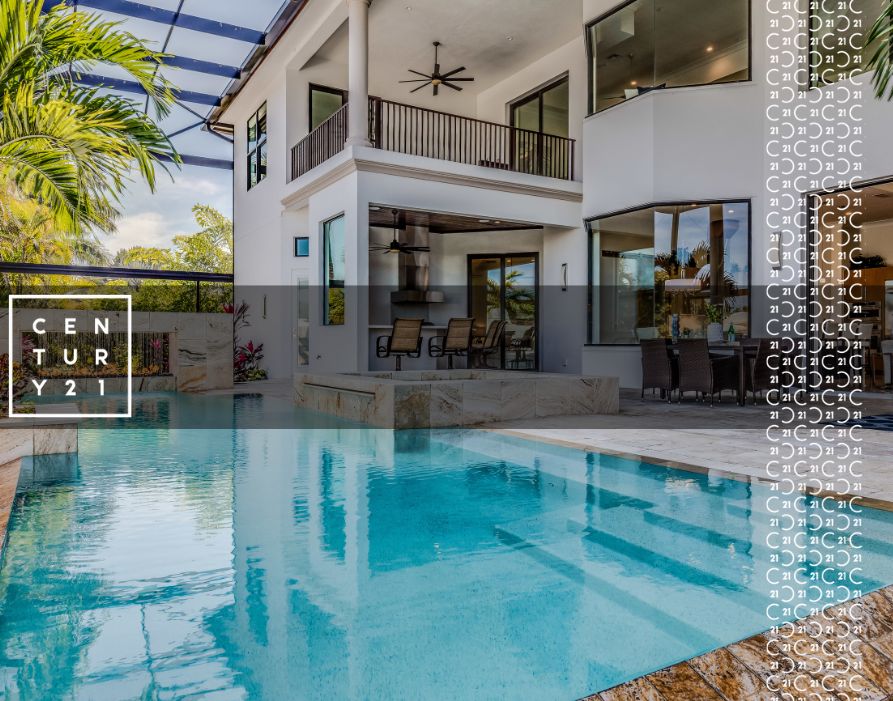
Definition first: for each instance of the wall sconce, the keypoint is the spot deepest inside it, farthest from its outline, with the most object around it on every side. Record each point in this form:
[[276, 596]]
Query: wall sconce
[[776, 264], [264, 308], [564, 277]]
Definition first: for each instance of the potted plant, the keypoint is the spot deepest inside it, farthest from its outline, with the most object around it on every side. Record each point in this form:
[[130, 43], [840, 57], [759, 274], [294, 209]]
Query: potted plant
[[714, 317]]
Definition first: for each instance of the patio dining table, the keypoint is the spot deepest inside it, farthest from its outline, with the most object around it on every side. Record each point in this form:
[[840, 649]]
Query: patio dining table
[[742, 350]]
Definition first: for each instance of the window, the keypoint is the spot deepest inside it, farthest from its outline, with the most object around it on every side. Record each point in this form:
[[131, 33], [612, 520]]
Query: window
[[545, 112], [302, 323], [651, 264], [836, 38], [333, 272], [302, 246], [651, 44], [324, 102], [257, 146]]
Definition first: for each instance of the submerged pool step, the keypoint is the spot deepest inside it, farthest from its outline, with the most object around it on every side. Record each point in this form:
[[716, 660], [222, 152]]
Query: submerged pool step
[[685, 612]]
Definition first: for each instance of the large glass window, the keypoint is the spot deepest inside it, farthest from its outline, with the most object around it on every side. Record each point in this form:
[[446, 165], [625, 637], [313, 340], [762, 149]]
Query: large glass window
[[837, 33], [650, 44], [544, 112], [653, 264], [333, 272], [324, 102], [257, 146]]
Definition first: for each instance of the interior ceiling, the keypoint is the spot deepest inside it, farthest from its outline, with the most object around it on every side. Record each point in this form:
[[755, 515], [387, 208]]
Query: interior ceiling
[[438, 223], [491, 39]]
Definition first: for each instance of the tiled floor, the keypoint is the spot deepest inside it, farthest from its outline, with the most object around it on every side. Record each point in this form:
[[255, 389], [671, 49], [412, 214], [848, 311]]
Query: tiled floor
[[860, 656]]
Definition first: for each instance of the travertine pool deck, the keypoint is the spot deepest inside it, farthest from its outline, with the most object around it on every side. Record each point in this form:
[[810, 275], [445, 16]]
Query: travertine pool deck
[[747, 670]]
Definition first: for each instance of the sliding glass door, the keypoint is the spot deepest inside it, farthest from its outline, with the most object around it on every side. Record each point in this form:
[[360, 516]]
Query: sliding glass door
[[544, 112], [505, 288]]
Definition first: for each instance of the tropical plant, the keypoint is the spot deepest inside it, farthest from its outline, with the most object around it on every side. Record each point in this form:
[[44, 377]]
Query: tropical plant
[[880, 39], [247, 357], [68, 146], [29, 234], [714, 313]]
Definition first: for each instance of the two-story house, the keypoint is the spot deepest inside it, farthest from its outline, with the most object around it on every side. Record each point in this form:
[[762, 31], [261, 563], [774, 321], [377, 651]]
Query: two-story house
[[611, 171]]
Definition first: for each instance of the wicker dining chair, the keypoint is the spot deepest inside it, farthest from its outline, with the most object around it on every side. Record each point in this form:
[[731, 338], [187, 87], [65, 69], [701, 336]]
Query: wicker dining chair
[[455, 343], [659, 369], [703, 374], [405, 340], [760, 375]]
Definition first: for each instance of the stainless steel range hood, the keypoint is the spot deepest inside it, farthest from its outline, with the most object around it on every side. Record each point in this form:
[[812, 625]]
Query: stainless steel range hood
[[414, 270]]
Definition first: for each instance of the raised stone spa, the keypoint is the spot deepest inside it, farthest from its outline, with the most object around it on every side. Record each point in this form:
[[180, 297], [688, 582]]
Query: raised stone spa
[[441, 398]]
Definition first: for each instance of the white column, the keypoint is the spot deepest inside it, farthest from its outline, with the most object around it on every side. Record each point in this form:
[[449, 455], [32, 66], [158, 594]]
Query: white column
[[358, 72]]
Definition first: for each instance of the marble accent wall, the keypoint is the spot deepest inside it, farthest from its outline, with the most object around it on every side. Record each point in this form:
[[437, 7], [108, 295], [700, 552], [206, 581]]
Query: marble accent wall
[[443, 398], [23, 437]]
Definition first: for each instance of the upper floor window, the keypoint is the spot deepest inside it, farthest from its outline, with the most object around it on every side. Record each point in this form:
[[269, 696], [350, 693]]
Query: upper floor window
[[651, 44], [257, 146], [837, 33], [324, 102]]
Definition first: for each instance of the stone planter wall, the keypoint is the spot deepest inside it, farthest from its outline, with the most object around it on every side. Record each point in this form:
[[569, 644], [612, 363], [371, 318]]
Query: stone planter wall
[[201, 345], [443, 398]]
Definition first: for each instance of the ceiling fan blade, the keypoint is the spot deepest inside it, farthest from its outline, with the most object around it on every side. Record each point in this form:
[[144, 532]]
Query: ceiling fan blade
[[416, 80], [424, 75], [416, 249], [463, 80], [420, 87], [453, 72], [454, 87]]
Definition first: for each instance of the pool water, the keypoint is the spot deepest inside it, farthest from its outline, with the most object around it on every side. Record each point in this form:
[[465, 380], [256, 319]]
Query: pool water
[[367, 564]]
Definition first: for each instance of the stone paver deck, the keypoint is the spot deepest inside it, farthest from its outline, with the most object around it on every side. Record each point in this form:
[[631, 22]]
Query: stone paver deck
[[861, 655]]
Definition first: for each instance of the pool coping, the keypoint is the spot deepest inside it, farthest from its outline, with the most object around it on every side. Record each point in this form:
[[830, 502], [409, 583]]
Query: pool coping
[[867, 501], [9, 481]]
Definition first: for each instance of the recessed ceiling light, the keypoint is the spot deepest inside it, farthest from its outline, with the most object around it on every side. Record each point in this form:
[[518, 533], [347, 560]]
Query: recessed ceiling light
[[374, 209], [409, 8], [510, 38], [497, 222], [483, 221], [634, 83], [731, 211], [710, 49]]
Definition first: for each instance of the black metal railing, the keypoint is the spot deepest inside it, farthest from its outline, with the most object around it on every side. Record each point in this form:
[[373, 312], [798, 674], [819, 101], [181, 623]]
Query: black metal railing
[[418, 131], [320, 144], [171, 290]]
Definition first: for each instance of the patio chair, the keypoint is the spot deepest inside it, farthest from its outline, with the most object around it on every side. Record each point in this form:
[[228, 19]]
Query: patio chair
[[701, 373], [659, 369], [521, 347], [483, 347], [405, 340], [456, 342], [760, 377]]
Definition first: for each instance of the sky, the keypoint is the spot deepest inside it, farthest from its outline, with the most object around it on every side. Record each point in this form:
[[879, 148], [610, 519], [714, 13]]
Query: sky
[[153, 219]]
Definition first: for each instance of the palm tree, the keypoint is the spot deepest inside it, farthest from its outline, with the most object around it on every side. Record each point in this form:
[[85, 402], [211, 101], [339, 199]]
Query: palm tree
[[68, 146], [29, 234], [880, 38]]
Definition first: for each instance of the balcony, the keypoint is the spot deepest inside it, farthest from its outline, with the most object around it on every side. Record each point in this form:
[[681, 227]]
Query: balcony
[[417, 131]]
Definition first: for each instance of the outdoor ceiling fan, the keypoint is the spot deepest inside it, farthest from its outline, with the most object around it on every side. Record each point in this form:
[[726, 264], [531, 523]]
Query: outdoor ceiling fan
[[395, 246], [437, 78]]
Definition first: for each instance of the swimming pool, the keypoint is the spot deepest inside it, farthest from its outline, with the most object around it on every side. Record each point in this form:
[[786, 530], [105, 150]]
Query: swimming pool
[[358, 563]]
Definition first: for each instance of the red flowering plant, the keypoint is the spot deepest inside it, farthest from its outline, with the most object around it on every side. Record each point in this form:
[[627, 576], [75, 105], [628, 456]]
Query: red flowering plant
[[246, 358]]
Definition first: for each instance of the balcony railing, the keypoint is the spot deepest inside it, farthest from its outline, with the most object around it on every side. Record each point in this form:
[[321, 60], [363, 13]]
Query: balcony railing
[[418, 131], [320, 144]]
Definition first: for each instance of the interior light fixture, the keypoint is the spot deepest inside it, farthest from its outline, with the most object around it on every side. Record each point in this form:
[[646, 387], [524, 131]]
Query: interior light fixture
[[483, 221], [710, 49]]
